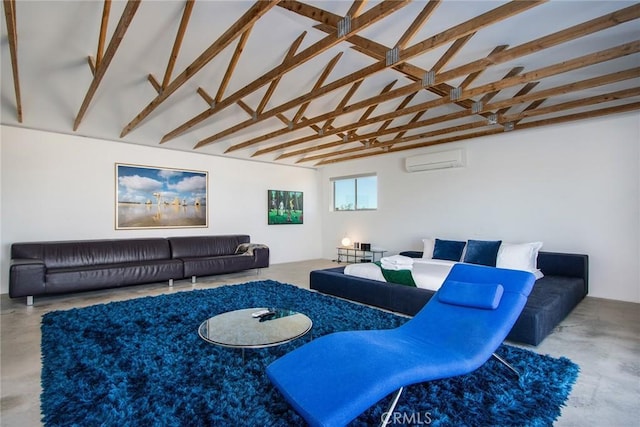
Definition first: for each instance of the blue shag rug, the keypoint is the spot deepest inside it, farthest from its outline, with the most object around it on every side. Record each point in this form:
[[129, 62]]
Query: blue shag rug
[[141, 363]]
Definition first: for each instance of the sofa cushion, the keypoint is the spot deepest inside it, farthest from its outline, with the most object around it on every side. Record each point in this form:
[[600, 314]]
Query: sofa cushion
[[207, 266], [83, 253], [206, 246], [59, 280]]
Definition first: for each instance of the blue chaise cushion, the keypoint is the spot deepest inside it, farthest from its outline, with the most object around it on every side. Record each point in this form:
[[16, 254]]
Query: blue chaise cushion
[[476, 295], [483, 252], [450, 250]]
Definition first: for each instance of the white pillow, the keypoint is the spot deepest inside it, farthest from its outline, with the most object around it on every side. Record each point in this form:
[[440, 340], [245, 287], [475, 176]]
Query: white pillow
[[519, 256], [427, 251]]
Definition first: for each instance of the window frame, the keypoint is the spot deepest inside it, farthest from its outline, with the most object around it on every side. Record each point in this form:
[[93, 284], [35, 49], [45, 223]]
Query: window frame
[[355, 178]]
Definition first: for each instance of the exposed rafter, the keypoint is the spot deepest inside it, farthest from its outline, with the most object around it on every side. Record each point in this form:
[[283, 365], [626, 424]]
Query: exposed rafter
[[233, 32], [452, 34], [496, 130], [102, 65], [501, 107], [12, 31], [503, 55], [548, 71], [356, 24], [325, 82]]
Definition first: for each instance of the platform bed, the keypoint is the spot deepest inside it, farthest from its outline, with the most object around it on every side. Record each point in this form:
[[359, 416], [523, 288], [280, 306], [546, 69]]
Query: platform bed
[[564, 285]]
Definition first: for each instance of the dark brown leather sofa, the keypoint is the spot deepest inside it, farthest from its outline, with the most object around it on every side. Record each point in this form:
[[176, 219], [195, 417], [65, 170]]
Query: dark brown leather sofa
[[47, 268]]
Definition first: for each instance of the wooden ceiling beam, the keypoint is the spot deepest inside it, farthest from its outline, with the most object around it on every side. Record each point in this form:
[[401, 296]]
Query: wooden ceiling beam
[[319, 82], [106, 9], [356, 7], [377, 51], [562, 67], [274, 83], [439, 64], [253, 113], [254, 13], [498, 14], [351, 137], [606, 79], [417, 23], [204, 95], [570, 105], [521, 97], [451, 52], [530, 111], [400, 107], [522, 92], [569, 65], [12, 35], [352, 90], [562, 119], [343, 136], [232, 65], [125, 20], [606, 21], [177, 43], [489, 96], [598, 24], [581, 116], [358, 23]]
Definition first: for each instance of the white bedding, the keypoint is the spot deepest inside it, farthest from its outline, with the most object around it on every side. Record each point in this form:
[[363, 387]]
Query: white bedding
[[427, 273]]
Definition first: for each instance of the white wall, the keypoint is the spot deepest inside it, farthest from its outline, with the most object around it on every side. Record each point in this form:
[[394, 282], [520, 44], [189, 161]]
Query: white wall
[[62, 187], [576, 187]]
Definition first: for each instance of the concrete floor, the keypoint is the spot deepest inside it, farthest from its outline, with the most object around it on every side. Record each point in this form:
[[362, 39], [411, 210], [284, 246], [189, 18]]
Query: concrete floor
[[601, 336]]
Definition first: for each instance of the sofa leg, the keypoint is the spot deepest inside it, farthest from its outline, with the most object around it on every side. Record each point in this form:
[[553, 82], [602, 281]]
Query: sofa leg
[[29, 299], [193, 280], [171, 283]]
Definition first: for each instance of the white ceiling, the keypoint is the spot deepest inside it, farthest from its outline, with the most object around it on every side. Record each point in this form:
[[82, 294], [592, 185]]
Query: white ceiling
[[54, 39]]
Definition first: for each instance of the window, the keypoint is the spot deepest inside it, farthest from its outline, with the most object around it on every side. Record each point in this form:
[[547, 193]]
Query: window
[[355, 193]]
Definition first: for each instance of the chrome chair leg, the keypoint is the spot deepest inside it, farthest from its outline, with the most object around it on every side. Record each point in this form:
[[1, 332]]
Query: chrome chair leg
[[387, 415], [507, 364]]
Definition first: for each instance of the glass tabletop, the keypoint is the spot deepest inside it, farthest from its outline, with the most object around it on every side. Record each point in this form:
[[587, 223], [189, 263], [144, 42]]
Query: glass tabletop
[[241, 330]]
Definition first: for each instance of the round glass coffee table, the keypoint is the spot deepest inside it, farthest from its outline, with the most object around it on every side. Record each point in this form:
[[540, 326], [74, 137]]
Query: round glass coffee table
[[240, 329]]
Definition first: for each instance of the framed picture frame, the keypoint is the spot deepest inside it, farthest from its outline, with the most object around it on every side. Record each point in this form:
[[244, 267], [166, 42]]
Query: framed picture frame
[[155, 197], [285, 207]]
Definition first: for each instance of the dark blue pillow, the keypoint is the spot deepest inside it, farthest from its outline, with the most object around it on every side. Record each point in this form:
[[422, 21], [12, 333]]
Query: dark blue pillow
[[450, 250], [483, 252]]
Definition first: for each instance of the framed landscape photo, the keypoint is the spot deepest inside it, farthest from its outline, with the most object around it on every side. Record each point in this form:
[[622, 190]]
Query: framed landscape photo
[[284, 207], [152, 197]]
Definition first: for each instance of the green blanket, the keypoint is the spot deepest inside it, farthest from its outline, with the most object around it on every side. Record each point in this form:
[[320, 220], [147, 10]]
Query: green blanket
[[401, 277]]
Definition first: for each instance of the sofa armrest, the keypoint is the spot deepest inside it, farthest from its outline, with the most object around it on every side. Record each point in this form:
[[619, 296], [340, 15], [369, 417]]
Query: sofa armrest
[[261, 256], [565, 265], [26, 277]]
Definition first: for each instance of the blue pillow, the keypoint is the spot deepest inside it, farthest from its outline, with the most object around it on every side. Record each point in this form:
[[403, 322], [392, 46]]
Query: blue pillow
[[450, 250], [482, 252], [486, 296]]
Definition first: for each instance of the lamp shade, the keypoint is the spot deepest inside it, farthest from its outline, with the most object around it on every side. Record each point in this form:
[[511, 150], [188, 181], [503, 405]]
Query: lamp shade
[[346, 241]]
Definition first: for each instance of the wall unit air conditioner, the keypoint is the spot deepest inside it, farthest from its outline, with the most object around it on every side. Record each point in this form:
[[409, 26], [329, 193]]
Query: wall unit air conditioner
[[437, 160]]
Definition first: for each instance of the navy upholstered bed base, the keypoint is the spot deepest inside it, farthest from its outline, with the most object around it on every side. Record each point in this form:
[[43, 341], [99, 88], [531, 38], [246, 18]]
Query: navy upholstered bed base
[[564, 285]]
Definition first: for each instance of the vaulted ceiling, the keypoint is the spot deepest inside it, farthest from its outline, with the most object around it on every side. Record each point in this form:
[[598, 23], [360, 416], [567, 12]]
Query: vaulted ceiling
[[314, 82]]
